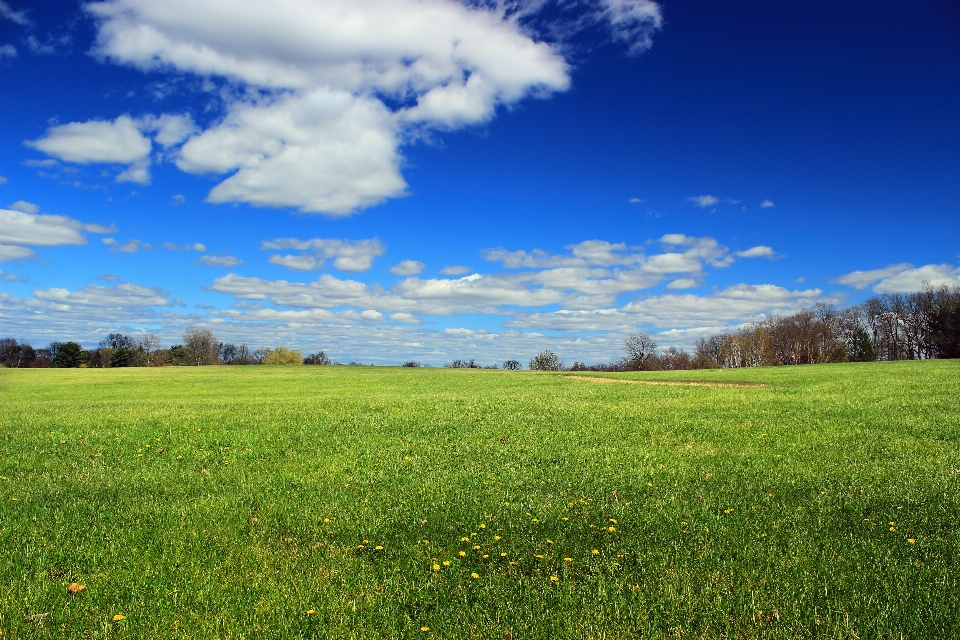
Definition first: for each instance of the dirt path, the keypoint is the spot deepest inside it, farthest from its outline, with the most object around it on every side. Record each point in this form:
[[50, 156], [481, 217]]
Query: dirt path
[[673, 383]]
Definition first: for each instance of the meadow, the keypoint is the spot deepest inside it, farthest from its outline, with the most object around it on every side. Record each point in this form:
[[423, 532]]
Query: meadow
[[364, 502]]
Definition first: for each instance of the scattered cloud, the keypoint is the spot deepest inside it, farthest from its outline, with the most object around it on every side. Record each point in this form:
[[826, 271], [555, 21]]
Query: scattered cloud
[[351, 256], [109, 277], [636, 200], [456, 270], [326, 101], [24, 207], [177, 199], [407, 268], [760, 251], [132, 246], [120, 141], [220, 261], [903, 278], [21, 226], [11, 277], [683, 283], [3, 180], [766, 204], [7, 51], [704, 201], [17, 17], [54, 45], [172, 246], [863, 279]]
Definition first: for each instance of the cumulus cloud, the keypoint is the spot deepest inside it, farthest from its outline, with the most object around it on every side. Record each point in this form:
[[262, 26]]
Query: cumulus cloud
[[132, 246], [7, 51], [760, 251], [348, 256], [119, 141], [903, 278], [407, 268], [25, 207], [220, 261], [177, 199], [766, 204], [336, 86], [21, 226], [3, 180], [455, 270], [705, 201]]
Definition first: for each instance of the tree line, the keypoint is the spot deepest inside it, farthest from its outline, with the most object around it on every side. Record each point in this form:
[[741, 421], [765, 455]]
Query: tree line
[[199, 347], [914, 326]]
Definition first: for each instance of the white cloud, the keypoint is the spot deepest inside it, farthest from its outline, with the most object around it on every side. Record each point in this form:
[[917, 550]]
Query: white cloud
[[407, 268], [177, 199], [11, 253], [95, 141], [220, 261], [348, 256], [197, 246], [405, 318], [23, 227], [17, 17], [120, 141], [766, 204], [705, 201], [455, 270], [903, 278], [3, 180], [327, 71], [636, 200], [863, 279], [760, 251], [7, 51], [25, 207], [132, 246], [683, 283]]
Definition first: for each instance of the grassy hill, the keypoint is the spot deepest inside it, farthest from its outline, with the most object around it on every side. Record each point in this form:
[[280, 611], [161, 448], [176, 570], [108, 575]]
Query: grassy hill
[[286, 502]]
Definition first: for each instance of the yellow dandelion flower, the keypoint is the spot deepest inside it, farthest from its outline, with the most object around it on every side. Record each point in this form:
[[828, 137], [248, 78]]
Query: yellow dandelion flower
[[613, 520], [549, 541], [446, 563], [366, 542], [326, 521], [474, 576], [611, 529], [893, 528], [310, 612], [424, 629], [483, 526], [378, 548], [512, 563], [464, 539], [595, 552], [911, 541], [568, 559], [476, 547], [649, 484], [462, 554], [496, 537], [503, 555], [360, 547], [892, 523], [554, 579], [728, 510], [564, 518], [436, 567], [485, 556], [534, 520], [118, 617]]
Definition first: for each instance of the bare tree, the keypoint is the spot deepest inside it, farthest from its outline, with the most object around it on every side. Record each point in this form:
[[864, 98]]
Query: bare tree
[[546, 361], [148, 343], [641, 351], [512, 365], [201, 346]]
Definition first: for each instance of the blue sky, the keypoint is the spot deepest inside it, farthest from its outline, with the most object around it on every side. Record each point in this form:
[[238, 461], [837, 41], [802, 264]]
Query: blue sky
[[391, 180]]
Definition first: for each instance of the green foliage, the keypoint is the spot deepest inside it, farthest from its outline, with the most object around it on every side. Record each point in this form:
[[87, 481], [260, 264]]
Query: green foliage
[[861, 347], [282, 355], [216, 502], [122, 357], [70, 355]]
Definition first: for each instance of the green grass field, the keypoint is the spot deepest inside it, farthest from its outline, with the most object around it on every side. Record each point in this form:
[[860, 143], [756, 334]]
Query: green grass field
[[288, 502]]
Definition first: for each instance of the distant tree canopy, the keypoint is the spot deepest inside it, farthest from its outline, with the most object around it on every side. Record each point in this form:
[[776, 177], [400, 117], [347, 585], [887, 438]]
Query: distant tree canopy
[[546, 361], [318, 359], [69, 355], [512, 365], [282, 355]]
